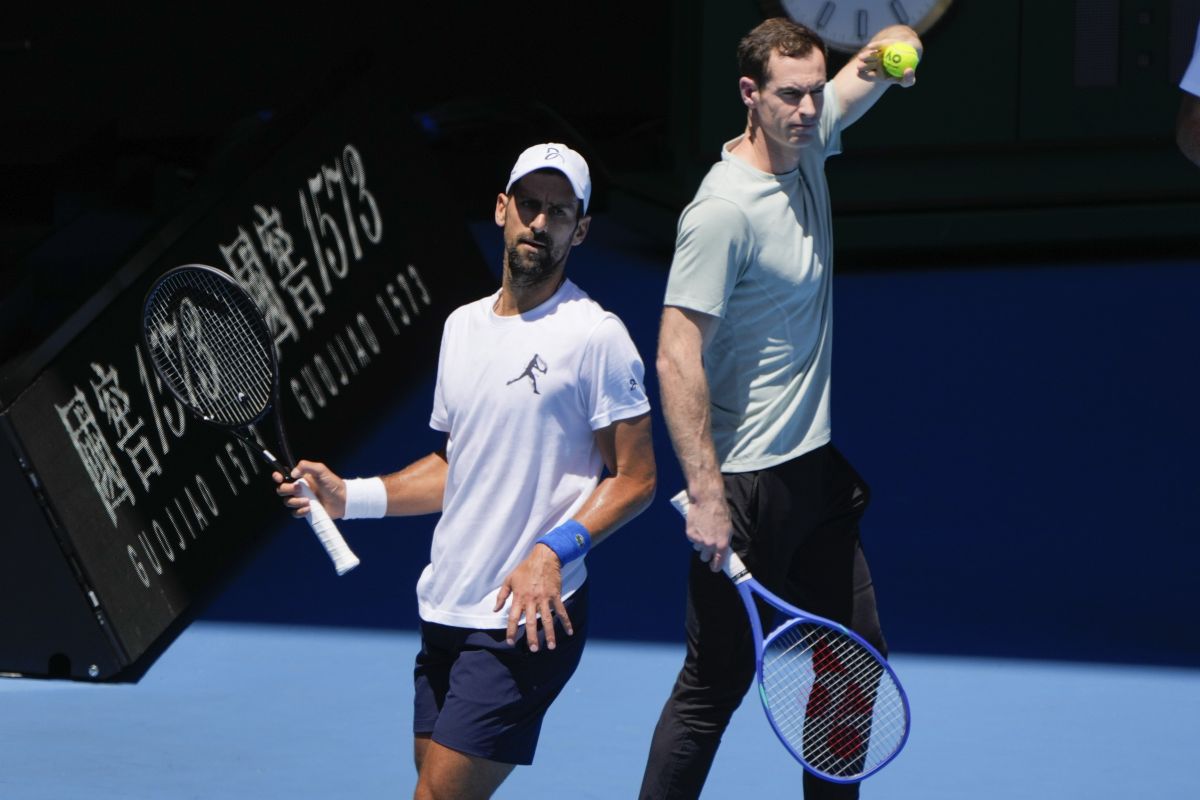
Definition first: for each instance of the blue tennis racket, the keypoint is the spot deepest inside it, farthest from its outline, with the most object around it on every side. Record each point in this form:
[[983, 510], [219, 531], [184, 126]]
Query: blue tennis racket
[[831, 698]]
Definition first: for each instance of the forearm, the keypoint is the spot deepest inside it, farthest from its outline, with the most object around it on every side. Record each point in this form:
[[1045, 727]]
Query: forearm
[[418, 488], [617, 500], [861, 82], [628, 452], [683, 387]]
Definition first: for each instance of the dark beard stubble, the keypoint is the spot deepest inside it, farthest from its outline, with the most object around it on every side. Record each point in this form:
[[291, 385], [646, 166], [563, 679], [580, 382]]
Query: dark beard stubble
[[527, 271]]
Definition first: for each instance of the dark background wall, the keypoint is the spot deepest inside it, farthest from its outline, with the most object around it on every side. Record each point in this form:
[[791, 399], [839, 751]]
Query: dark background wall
[[1016, 307], [1051, 119]]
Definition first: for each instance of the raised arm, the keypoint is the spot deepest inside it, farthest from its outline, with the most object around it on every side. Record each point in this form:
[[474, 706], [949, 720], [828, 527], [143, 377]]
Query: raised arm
[[861, 83], [685, 399]]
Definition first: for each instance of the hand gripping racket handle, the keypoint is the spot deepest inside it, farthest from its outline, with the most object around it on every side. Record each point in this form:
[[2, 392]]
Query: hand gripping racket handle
[[734, 568], [327, 531]]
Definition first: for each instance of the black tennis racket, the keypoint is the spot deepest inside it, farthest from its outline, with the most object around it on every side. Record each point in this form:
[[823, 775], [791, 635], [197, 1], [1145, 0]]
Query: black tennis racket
[[209, 344], [831, 698]]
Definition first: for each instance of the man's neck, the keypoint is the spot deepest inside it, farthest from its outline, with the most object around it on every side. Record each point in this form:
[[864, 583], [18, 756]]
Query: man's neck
[[520, 299], [757, 150]]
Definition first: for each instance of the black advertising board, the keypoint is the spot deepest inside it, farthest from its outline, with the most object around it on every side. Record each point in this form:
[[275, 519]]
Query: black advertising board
[[340, 229]]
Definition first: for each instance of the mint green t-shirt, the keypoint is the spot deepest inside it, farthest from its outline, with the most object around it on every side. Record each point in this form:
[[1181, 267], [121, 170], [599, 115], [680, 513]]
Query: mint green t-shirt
[[755, 250]]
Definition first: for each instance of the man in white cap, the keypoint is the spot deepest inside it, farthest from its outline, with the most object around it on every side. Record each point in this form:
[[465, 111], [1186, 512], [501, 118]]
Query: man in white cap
[[548, 451]]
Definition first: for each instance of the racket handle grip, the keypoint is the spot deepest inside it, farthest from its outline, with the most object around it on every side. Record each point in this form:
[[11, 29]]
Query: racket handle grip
[[734, 568], [327, 532]]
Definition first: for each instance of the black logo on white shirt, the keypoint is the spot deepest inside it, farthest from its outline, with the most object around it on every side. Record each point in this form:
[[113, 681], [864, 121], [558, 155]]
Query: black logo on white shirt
[[536, 365]]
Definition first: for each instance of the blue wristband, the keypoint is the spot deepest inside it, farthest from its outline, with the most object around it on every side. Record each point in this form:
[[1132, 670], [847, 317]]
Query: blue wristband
[[569, 541]]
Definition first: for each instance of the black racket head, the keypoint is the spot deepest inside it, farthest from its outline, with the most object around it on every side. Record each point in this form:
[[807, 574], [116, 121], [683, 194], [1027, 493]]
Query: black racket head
[[209, 344], [832, 700]]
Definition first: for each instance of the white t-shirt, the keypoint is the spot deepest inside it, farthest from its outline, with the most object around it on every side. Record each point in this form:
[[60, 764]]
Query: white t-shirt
[[1191, 76], [520, 397], [756, 250]]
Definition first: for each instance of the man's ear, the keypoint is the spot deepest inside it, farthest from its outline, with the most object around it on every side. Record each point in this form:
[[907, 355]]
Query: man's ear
[[748, 89], [581, 230], [501, 207]]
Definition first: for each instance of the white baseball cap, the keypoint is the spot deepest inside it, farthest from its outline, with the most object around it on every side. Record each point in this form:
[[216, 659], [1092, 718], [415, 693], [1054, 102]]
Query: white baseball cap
[[555, 156]]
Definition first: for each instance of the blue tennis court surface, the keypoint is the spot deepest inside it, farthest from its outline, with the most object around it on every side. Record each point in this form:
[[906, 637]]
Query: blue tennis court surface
[[256, 711]]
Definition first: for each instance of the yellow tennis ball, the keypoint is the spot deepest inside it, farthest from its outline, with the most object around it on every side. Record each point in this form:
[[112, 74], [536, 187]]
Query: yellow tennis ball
[[898, 57]]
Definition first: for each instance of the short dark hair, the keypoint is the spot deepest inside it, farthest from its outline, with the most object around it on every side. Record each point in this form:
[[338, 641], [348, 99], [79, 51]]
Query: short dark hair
[[775, 35]]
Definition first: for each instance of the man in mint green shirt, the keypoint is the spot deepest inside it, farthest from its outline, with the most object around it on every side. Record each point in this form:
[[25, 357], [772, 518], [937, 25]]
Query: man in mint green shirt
[[744, 372]]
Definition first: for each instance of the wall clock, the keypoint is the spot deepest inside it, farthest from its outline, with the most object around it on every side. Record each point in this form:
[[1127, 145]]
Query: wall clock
[[848, 25]]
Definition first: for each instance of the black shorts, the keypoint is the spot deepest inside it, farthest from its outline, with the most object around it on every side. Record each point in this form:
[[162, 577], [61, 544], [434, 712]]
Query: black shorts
[[479, 695]]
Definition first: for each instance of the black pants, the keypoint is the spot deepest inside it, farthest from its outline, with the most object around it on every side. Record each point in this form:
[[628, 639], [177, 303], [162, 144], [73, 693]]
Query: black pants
[[795, 526]]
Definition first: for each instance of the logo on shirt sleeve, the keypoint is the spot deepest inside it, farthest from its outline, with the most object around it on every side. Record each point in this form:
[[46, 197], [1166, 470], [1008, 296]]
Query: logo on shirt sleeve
[[536, 365]]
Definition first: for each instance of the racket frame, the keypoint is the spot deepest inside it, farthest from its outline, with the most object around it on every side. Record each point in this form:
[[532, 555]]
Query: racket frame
[[325, 528], [747, 587]]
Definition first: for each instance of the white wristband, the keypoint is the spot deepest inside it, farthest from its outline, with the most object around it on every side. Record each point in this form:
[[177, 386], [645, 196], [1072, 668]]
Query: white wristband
[[366, 498]]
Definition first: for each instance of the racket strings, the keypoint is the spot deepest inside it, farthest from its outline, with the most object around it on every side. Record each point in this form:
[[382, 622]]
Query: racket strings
[[831, 701], [210, 346]]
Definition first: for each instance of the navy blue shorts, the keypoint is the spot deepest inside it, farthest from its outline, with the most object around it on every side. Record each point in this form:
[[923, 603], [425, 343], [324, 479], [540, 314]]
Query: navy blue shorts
[[478, 695]]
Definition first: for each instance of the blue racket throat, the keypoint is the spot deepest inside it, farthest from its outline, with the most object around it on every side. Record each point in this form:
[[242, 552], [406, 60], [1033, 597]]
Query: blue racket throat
[[831, 697]]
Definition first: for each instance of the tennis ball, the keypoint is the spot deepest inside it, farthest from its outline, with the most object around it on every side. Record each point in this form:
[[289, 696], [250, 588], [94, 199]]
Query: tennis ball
[[898, 57]]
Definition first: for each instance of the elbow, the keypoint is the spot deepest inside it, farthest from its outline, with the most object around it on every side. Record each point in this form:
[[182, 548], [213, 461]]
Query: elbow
[[649, 490], [670, 372], [643, 491], [649, 476], [663, 365]]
